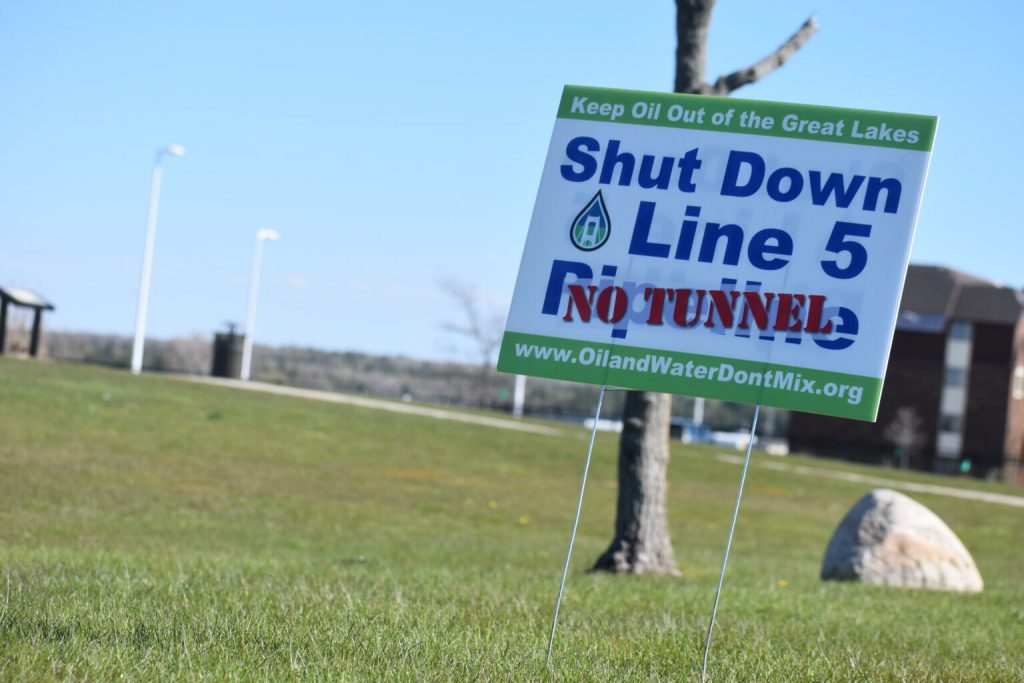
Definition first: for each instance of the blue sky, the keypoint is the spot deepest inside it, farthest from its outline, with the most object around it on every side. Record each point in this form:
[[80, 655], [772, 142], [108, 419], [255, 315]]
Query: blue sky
[[394, 145]]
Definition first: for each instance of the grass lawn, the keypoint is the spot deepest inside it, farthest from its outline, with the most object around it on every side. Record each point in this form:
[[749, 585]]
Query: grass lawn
[[152, 529]]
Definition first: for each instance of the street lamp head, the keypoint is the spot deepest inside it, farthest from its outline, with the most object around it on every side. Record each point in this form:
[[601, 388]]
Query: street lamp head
[[173, 150], [266, 234]]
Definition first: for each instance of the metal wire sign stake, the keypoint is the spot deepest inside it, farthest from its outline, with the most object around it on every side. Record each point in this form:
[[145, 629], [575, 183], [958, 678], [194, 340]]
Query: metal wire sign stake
[[728, 542], [575, 524]]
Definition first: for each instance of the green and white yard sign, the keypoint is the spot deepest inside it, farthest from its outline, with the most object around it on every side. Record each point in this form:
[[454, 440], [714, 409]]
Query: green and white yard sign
[[734, 249]]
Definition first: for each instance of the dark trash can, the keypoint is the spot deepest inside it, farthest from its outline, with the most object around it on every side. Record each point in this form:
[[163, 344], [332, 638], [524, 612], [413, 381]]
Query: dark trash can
[[227, 354]]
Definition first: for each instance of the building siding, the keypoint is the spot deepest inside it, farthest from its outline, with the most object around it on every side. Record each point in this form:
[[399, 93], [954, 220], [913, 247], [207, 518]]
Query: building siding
[[991, 369], [913, 378], [1014, 444], [953, 359]]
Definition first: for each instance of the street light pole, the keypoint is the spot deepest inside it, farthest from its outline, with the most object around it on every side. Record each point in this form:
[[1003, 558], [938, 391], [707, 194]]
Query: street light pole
[[519, 396], [147, 256], [254, 288]]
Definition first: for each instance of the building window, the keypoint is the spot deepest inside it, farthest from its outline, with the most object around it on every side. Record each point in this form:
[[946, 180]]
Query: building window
[[956, 377], [951, 423], [1018, 382], [960, 330]]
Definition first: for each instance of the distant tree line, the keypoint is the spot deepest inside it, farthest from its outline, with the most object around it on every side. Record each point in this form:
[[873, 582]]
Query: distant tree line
[[394, 377], [190, 355]]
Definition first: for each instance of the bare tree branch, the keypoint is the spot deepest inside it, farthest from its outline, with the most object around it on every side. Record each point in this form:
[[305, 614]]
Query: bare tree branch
[[483, 327], [737, 79]]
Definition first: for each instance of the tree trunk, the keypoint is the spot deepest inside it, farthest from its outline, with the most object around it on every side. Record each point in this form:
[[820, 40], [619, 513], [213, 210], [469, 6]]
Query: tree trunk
[[642, 544], [692, 20]]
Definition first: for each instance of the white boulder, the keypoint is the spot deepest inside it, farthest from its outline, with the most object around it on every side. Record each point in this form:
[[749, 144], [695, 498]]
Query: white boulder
[[888, 539]]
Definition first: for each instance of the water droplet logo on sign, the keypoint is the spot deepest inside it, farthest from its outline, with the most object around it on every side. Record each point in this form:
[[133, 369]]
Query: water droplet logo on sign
[[592, 226]]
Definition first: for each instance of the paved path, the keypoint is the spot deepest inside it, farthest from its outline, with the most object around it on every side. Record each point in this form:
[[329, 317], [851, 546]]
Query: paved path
[[378, 404], [951, 491]]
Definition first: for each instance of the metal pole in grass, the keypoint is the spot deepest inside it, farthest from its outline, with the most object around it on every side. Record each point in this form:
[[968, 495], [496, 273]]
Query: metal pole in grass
[[147, 255], [728, 542], [254, 289], [576, 522]]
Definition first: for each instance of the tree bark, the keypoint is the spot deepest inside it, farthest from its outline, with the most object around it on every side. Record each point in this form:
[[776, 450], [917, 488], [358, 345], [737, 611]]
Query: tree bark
[[693, 17], [642, 544], [755, 72]]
